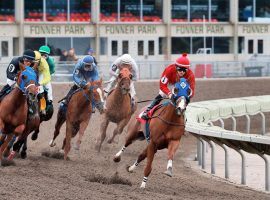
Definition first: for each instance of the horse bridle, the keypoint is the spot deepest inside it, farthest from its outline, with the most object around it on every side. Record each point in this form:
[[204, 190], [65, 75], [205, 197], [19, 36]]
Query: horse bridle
[[91, 88], [165, 121]]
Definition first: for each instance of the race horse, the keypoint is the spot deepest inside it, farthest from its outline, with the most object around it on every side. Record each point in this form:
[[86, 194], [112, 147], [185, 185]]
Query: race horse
[[14, 108], [119, 107], [77, 114], [165, 126]]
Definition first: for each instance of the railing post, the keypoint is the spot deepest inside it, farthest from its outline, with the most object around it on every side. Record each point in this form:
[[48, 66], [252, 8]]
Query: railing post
[[227, 175]]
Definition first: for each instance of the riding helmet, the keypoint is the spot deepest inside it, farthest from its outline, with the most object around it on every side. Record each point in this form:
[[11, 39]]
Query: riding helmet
[[126, 59], [29, 54], [182, 61], [45, 49]]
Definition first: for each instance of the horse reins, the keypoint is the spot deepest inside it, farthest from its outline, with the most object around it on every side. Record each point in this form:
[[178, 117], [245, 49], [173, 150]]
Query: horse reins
[[165, 121]]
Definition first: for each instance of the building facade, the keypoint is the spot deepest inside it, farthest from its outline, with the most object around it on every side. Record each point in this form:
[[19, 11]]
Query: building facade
[[153, 30]]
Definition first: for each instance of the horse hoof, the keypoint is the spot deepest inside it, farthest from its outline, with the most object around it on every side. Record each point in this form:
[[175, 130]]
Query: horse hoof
[[168, 172], [143, 185], [23, 154], [61, 151], [109, 141], [6, 162], [52, 144], [129, 169], [34, 136], [117, 158]]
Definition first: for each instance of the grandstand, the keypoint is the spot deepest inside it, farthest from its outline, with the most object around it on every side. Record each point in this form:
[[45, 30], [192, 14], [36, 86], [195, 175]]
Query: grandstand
[[149, 30]]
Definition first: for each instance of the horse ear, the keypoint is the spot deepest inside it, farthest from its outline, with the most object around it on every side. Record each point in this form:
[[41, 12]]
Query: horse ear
[[130, 76]]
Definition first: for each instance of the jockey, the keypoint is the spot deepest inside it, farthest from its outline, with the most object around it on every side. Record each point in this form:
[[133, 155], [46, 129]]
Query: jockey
[[14, 67], [123, 61], [45, 52], [44, 77], [171, 75], [85, 71]]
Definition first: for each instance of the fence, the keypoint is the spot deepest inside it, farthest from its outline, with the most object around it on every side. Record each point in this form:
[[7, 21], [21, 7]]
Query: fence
[[153, 70], [200, 116]]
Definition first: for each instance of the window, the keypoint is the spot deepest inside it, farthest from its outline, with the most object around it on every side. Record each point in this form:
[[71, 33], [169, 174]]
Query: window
[[103, 46], [130, 10], [151, 48], [162, 45], [152, 10], [33, 10], [56, 10], [222, 45], [180, 45], [245, 10], [198, 9], [4, 48], [108, 10], [15, 46], [140, 48], [81, 45], [80, 10], [7, 10], [241, 44], [33, 43], [57, 45], [124, 47], [250, 46], [114, 48], [220, 10], [260, 46], [179, 10]]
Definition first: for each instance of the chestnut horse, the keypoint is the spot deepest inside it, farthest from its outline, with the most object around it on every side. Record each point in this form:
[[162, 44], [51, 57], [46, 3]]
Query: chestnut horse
[[166, 127], [78, 113], [118, 108], [14, 107]]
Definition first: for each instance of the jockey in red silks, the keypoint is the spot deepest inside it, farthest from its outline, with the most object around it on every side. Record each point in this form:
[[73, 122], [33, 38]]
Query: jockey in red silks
[[171, 75]]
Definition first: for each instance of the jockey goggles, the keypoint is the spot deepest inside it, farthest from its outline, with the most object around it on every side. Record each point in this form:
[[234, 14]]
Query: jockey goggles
[[181, 69], [44, 55], [27, 60], [88, 66]]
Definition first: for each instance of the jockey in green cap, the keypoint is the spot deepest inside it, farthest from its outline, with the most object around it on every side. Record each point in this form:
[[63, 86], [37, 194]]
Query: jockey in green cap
[[45, 52]]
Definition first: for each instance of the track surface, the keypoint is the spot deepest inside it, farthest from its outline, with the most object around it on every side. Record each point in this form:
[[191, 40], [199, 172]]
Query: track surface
[[92, 175]]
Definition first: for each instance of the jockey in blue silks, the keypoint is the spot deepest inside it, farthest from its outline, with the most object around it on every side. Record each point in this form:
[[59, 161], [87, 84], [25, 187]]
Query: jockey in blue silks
[[85, 71]]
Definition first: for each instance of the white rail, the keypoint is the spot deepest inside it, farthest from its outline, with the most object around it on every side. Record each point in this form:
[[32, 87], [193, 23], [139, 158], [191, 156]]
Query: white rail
[[201, 115]]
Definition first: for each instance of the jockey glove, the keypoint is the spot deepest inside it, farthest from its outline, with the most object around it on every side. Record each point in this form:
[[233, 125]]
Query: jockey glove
[[83, 84]]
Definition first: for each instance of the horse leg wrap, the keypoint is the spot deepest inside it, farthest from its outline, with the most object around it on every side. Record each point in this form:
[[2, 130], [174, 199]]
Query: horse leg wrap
[[169, 165], [120, 152], [132, 167], [143, 182]]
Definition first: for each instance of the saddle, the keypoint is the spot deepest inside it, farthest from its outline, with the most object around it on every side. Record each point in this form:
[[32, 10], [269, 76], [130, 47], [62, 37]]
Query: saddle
[[146, 123]]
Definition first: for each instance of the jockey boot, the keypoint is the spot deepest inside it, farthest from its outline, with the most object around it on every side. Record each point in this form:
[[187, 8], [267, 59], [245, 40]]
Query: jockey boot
[[156, 101]]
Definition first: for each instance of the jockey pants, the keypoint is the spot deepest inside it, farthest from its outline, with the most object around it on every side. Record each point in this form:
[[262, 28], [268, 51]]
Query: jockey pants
[[11, 82], [112, 85], [47, 87]]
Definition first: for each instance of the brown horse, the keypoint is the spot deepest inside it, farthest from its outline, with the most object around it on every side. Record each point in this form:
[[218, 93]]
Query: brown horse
[[166, 126], [118, 107], [14, 107], [78, 113]]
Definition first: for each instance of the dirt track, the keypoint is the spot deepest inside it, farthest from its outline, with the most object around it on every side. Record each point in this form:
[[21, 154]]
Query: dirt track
[[95, 176]]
